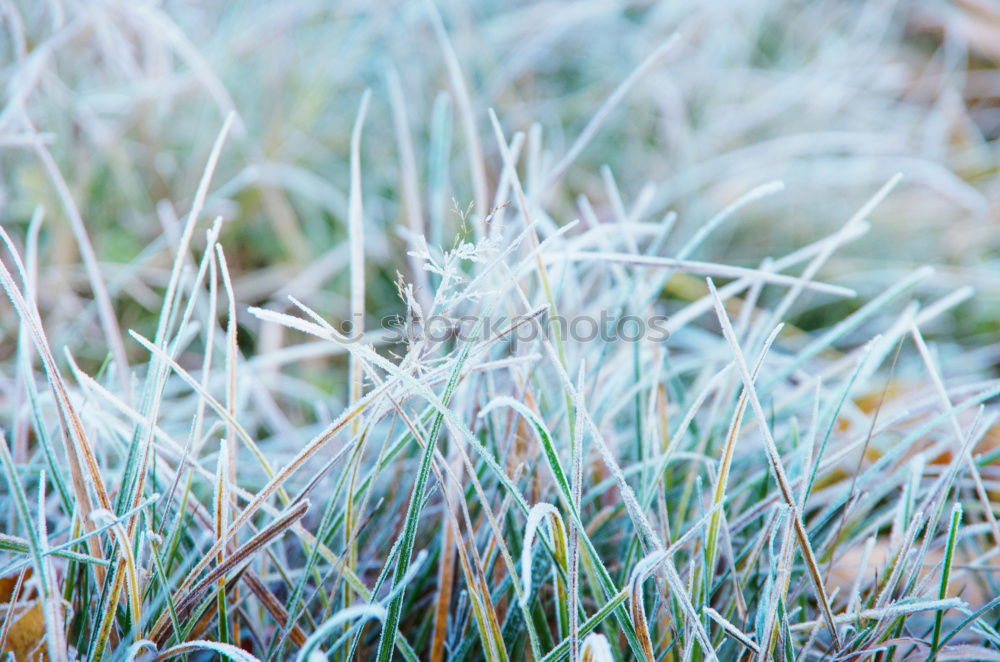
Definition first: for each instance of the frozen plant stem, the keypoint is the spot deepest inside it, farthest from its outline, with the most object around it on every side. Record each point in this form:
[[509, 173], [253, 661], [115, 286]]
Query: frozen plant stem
[[774, 458]]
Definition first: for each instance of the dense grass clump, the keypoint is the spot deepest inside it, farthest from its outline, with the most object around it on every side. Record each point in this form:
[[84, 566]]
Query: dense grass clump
[[560, 331]]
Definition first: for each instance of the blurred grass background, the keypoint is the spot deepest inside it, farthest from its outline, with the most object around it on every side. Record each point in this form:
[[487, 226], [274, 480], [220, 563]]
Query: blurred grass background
[[832, 98]]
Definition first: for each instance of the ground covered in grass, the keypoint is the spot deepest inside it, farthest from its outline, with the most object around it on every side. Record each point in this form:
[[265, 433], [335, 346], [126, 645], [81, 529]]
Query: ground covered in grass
[[458, 331]]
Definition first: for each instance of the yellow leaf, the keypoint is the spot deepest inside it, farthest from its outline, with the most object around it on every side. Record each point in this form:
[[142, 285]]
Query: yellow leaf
[[26, 636]]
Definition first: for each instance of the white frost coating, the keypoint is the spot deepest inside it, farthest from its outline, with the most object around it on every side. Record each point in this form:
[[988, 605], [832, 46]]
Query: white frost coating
[[595, 648], [535, 517], [308, 653]]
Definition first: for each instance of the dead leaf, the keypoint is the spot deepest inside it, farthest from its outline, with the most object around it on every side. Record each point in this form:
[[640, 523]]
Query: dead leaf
[[26, 636]]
